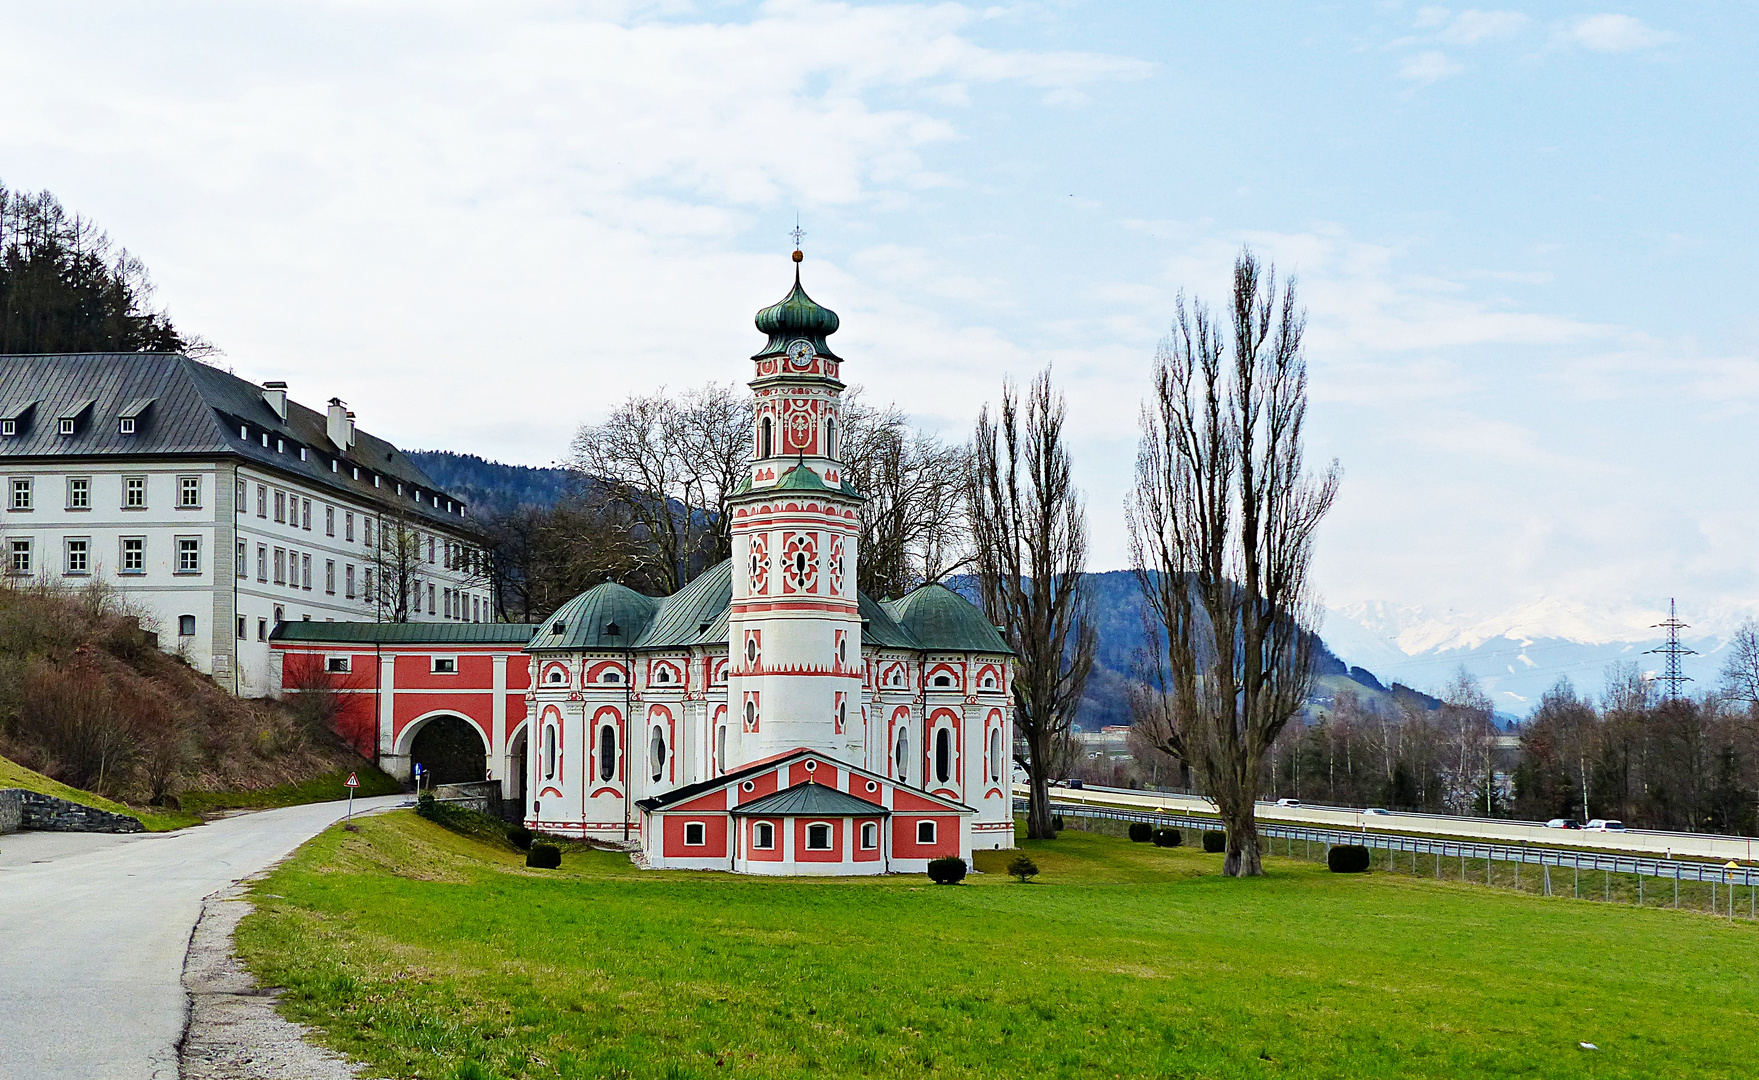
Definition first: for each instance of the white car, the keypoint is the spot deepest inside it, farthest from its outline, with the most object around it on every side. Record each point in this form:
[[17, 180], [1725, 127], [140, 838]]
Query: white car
[[1288, 802], [1375, 811], [1604, 825]]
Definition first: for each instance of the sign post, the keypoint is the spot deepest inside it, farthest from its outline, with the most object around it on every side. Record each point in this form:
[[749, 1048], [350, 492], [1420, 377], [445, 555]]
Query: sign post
[[353, 782]]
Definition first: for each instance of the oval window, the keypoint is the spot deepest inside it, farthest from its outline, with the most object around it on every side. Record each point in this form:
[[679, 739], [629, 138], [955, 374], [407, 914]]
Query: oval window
[[656, 750], [943, 755], [607, 752]]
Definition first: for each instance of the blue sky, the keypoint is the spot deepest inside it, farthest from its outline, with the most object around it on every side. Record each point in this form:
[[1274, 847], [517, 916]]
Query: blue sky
[[1523, 233]]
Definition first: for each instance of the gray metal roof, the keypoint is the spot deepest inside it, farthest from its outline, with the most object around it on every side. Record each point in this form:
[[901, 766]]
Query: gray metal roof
[[366, 633], [196, 411], [588, 620], [811, 799], [695, 614]]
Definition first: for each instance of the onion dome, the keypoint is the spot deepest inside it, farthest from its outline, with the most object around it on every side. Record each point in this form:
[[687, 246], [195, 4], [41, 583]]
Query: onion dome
[[797, 318]]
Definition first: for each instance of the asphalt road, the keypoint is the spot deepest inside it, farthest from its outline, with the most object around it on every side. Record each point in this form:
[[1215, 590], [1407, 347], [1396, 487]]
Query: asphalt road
[[93, 931]]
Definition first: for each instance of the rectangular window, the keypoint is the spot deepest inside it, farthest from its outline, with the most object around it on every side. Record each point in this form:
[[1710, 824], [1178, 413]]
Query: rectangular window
[[336, 665], [126, 425], [431, 609], [329, 521], [67, 425], [305, 572], [305, 514], [348, 526], [694, 834], [763, 835], [445, 665], [134, 493], [189, 492], [430, 549], [241, 625], [262, 562], [21, 493], [79, 555], [134, 554], [262, 501], [330, 576], [262, 629], [240, 497], [79, 493], [189, 555], [925, 832], [8, 427], [348, 581], [818, 837], [281, 506], [366, 531], [19, 556], [241, 564], [280, 566], [366, 584]]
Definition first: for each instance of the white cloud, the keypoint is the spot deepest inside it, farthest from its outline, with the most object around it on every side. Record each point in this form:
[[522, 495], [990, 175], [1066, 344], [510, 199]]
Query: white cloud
[[1612, 33], [1428, 67], [1471, 27]]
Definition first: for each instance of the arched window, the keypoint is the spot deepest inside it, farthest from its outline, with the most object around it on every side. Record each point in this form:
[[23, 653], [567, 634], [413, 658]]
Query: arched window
[[764, 442], [663, 675], [557, 676], [549, 751], [869, 835], [942, 680], [831, 438], [943, 755], [721, 749], [818, 837], [656, 750], [763, 836], [607, 752], [750, 715], [995, 754], [903, 755]]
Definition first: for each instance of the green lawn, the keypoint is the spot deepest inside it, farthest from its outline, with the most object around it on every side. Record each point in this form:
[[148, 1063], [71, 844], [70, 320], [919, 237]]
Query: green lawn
[[429, 954], [14, 775], [326, 788]]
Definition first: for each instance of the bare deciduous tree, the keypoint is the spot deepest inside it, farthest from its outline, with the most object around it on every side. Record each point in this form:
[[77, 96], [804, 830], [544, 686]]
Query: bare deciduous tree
[[1222, 524], [671, 462], [1030, 532], [1740, 672], [913, 524]]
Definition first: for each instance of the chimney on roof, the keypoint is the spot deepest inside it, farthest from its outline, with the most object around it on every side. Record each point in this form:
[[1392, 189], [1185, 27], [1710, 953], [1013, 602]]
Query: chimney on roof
[[341, 425], [275, 393]]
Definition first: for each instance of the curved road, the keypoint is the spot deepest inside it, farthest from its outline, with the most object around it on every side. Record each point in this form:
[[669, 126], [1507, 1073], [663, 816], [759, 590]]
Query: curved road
[[93, 931], [1689, 845]]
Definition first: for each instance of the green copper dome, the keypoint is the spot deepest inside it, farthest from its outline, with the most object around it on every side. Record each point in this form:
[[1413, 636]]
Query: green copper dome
[[797, 317]]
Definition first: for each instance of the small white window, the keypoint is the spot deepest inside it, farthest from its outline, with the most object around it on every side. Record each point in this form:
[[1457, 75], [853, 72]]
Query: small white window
[[818, 837], [556, 677], [134, 493], [445, 665], [763, 836], [79, 493], [925, 832], [67, 425], [611, 675], [134, 554], [189, 492], [19, 562], [189, 555], [186, 626], [8, 427], [336, 664], [126, 425], [21, 493], [695, 835], [79, 555], [869, 835]]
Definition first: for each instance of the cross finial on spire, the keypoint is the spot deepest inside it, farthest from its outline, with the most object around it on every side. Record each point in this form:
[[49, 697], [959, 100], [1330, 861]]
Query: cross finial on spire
[[798, 234]]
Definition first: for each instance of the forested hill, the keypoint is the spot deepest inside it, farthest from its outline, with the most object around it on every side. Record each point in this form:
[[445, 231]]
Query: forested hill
[[489, 487]]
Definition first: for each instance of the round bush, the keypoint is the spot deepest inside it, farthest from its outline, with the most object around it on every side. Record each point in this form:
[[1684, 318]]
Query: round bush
[[1214, 841], [1347, 858], [1168, 838], [544, 856], [946, 870], [1141, 832], [520, 837]]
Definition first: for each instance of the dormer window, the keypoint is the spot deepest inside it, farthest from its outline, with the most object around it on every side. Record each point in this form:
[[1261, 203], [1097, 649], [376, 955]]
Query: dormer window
[[613, 630], [8, 428], [67, 425], [125, 426]]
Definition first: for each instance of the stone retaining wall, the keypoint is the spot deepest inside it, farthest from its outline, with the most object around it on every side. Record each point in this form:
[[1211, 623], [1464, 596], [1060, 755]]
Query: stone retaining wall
[[483, 796], [45, 813]]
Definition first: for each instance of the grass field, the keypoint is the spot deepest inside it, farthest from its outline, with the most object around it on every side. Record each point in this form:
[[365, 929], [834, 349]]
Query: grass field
[[14, 775], [425, 953], [325, 788]]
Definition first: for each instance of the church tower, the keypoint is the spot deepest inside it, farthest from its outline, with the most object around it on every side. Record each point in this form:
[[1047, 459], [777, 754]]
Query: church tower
[[794, 628]]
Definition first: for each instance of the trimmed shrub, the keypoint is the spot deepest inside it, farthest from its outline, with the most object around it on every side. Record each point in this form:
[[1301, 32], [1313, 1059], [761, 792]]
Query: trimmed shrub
[[1214, 841], [1347, 858], [1022, 867], [1141, 832], [946, 870], [544, 856], [427, 806], [520, 837], [1168, 838]]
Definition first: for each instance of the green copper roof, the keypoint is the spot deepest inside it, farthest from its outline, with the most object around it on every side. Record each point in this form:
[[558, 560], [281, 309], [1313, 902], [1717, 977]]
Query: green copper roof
[[797, 316], [800, 478], [424, 633], [811, 799], [608, 616], [939, 618], [879, 628], [696, 613]]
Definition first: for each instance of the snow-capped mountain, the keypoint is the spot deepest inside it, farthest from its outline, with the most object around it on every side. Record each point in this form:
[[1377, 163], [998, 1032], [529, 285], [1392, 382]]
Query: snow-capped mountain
[[1518, 654]]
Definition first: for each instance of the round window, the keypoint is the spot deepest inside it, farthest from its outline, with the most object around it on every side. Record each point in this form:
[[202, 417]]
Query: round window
[[812, 766], [872, 786], [748, 786]]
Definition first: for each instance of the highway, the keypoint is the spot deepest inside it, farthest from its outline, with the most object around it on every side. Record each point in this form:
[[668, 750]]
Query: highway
[[1636, 841]]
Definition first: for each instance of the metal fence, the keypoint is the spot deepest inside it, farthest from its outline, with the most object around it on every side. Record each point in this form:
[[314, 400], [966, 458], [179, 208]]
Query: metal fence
[[1722, 880]]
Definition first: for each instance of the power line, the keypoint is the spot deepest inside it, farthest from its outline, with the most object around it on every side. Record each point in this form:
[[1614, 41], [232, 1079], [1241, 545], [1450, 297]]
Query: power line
[[1672, 677]]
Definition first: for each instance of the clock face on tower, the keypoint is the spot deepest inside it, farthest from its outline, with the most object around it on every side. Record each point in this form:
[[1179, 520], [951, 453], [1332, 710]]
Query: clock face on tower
[[800, 353]]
